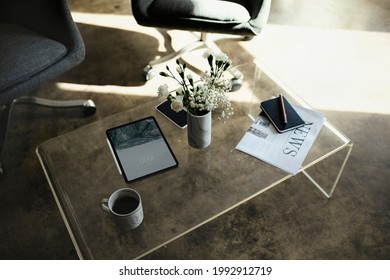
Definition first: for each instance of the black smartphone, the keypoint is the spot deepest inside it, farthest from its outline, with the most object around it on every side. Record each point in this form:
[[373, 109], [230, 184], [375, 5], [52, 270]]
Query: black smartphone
[[178, 118]]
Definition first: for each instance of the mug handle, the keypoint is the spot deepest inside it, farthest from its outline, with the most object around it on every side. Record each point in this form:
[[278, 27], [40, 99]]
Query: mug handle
[[104, 205]]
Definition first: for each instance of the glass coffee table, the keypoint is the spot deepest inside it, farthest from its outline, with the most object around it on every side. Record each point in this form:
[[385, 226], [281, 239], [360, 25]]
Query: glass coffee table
[[207, 183]]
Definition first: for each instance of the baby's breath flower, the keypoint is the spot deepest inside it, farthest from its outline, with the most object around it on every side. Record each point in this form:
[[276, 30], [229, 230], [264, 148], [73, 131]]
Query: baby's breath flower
[[192, 104]]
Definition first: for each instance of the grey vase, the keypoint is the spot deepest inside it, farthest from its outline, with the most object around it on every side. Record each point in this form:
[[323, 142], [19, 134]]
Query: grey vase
[[199, 130]]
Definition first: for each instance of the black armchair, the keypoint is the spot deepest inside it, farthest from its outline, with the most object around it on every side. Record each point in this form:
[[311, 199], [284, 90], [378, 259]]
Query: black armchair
[[38, 42], [236, 17]]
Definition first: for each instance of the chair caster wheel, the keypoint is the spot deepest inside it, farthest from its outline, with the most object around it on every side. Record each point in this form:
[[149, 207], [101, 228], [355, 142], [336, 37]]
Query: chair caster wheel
[[247, 38], [236, 84], [237, 79], [89, 108], [149, 72]]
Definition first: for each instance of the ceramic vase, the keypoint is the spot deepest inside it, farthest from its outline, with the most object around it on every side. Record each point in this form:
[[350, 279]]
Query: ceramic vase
[[199, 130]]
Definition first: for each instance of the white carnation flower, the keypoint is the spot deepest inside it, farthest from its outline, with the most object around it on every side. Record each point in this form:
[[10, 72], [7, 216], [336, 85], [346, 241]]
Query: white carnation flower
[[179, 91], [177, 104], [207, 53], [163, 90], [221, 57]]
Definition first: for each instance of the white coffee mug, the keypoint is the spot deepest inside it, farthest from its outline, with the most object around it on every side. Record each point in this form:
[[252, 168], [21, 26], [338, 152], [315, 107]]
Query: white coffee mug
[[125, 206]]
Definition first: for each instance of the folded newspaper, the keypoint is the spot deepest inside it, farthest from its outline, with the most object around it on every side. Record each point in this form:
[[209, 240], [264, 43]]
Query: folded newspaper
[[288, 150]]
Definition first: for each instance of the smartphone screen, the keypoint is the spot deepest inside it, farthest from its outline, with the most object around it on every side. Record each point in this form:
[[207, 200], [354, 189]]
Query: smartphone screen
[[178, 118]]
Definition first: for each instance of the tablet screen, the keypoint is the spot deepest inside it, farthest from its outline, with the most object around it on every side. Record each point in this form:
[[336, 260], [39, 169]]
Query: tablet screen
[[140, 149]]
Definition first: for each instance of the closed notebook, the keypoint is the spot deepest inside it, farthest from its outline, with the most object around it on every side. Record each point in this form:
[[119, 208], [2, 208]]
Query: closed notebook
[[273, 110]]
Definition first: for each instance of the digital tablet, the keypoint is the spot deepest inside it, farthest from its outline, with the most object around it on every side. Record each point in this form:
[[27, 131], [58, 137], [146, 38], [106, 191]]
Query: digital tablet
[[140, 149]]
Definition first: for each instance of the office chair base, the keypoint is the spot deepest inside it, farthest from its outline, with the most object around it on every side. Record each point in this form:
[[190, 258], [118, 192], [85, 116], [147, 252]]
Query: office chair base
[[88, 107], [149, 72]]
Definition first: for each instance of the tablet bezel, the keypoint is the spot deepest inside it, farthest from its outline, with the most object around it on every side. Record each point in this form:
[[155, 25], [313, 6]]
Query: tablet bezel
[[121, 168]]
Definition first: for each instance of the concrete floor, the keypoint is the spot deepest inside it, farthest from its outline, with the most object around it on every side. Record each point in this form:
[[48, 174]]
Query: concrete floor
[[334, 53]]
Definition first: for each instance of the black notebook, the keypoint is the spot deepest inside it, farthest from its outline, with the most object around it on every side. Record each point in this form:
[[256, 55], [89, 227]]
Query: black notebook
[[273, 109]]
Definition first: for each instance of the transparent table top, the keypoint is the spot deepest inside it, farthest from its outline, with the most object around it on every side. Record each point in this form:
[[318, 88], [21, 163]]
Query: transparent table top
[[207, 183]]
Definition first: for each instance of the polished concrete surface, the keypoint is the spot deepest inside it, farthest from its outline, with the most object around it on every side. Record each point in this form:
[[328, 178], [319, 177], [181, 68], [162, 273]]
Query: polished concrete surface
[[333, 53]]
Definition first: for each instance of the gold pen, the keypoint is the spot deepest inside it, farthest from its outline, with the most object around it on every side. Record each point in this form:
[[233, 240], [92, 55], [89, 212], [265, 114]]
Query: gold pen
[[283, 109]]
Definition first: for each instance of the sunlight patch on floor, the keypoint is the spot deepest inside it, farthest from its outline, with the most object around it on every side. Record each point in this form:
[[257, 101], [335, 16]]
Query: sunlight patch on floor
[[107, 89], [343, 70], [123, 22]]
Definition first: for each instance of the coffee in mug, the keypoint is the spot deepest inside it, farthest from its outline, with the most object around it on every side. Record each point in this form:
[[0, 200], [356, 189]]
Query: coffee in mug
[[125, 206]]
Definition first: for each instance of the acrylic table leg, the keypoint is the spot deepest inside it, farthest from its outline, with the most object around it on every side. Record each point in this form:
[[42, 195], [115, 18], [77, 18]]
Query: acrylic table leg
[[328, 194]]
